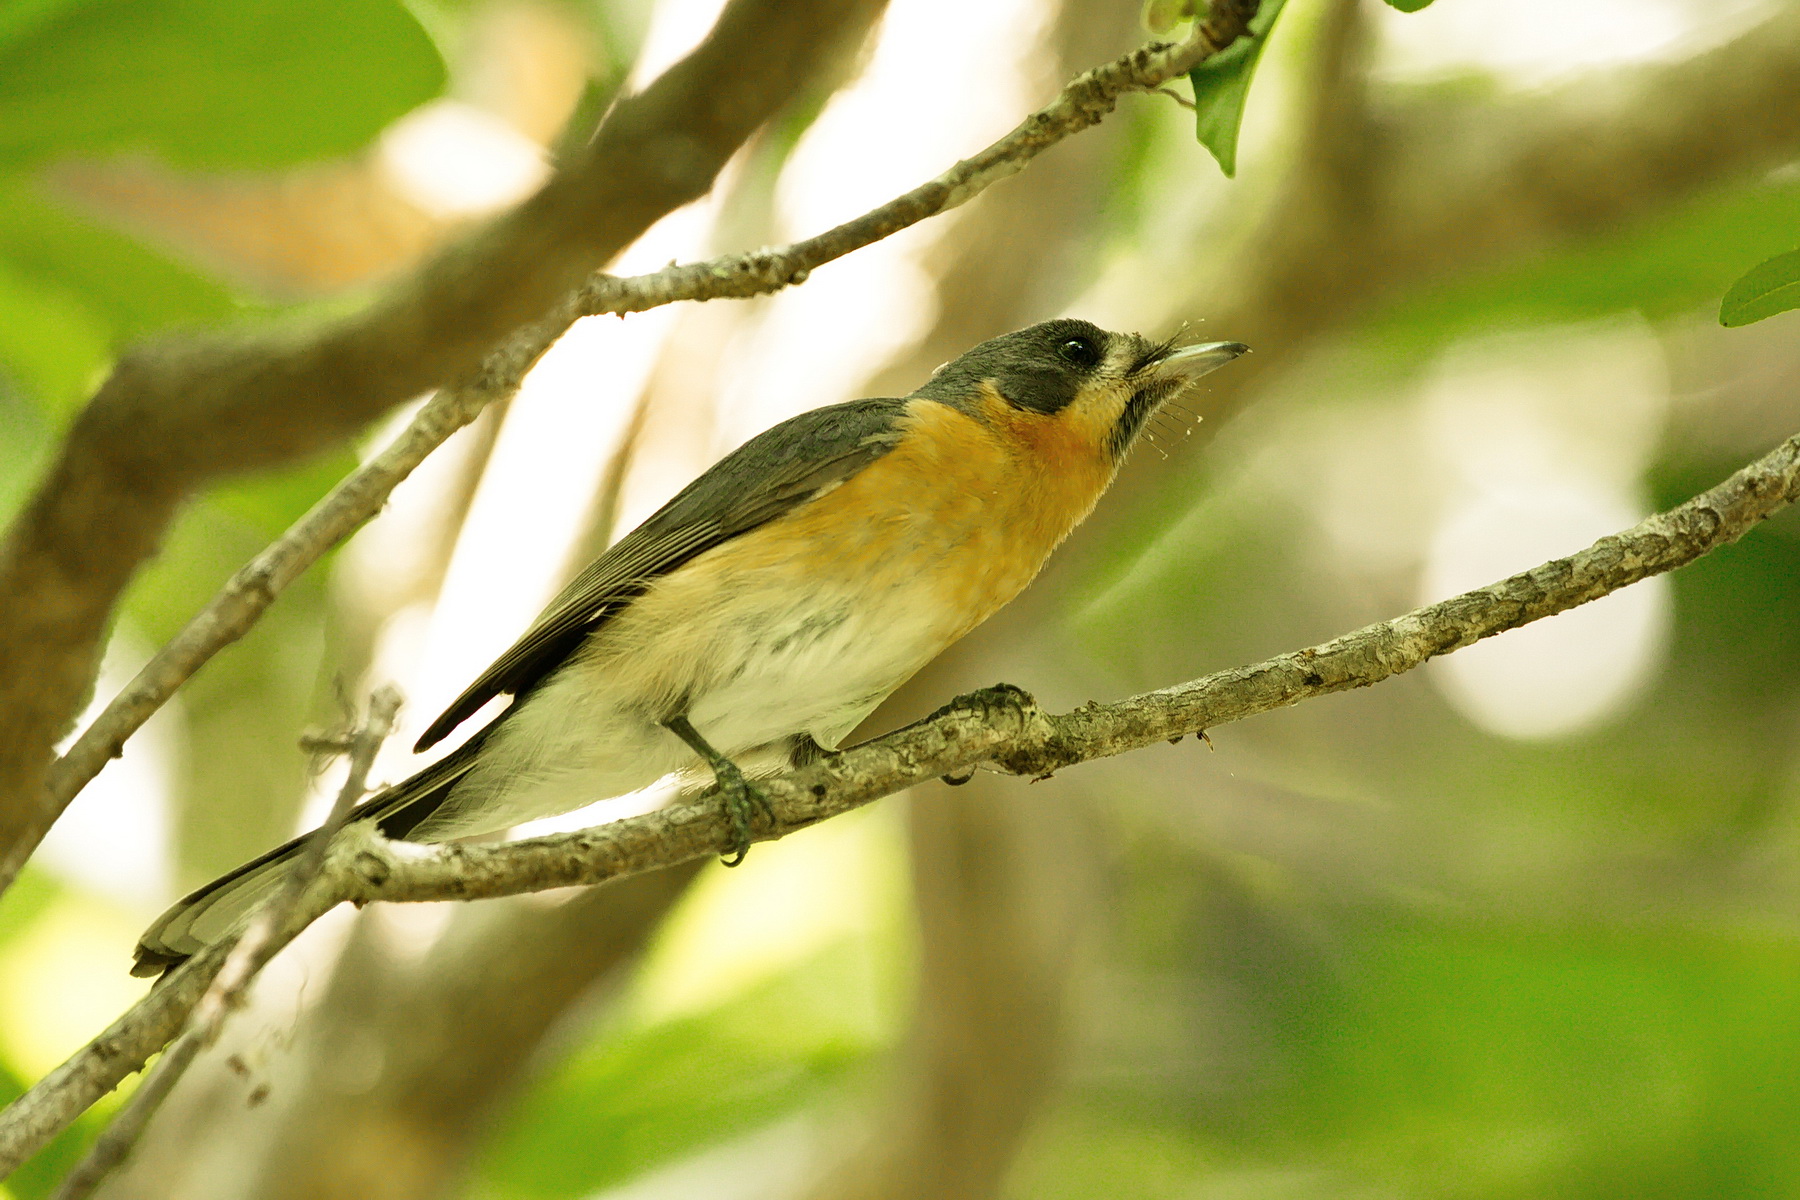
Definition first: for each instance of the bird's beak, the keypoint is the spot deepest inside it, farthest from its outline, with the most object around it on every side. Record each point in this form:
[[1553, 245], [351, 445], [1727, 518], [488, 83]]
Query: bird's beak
[[1191, 362], [1162, 379]]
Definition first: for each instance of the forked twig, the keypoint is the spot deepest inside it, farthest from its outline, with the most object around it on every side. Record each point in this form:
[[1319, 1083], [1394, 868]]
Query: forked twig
[[259, 943]]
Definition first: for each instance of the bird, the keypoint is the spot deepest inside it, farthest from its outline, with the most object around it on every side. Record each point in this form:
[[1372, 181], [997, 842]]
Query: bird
[[755, 619]]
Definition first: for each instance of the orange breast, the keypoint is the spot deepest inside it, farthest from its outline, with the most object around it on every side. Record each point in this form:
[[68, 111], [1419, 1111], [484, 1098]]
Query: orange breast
[[964, 511]]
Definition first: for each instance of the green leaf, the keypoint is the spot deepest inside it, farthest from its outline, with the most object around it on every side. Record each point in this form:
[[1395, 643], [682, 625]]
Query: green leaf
[[19, 18], [1409, 5], [73, 292], [52, 346], [646, 1097], [1222, 84], [213, 83], [137, 290], [1766, 289]]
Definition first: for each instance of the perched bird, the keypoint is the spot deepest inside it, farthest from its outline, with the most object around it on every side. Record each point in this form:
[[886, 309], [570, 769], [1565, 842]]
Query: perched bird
[[762, 613]]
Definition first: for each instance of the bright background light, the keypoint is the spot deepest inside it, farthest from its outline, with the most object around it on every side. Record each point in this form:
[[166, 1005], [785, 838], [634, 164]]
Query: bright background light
[[1558, 676], [1543, 440], [455, 160]]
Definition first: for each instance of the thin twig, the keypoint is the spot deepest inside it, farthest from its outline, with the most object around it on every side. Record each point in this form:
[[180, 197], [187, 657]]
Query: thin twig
[[231, 614], [259, 943], [987, 728], [180, 412]]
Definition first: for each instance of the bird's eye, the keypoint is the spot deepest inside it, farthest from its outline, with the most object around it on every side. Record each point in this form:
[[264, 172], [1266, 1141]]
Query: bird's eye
[[1080, 351]]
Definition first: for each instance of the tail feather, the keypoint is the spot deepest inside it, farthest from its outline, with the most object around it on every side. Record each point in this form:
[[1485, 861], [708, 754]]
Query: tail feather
[[212, 912], [207, 914]]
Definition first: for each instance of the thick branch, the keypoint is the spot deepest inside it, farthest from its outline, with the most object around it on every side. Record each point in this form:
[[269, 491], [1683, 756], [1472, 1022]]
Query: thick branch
[[177, 414], [1000, 726], [237, 607]]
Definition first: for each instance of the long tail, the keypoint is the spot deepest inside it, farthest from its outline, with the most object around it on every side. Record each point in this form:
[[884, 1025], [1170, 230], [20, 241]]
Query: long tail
[[210, 913]]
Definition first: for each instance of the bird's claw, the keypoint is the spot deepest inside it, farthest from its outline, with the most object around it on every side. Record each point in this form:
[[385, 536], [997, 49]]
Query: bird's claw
[[992, 701], [1002, 699], [742, 801]]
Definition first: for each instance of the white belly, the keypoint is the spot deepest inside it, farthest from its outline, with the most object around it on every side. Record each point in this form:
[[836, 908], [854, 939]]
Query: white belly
[[816, 668], [750, 672]]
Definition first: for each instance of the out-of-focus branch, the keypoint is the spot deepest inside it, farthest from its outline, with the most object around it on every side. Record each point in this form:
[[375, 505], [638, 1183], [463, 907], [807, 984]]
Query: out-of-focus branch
[[1003, 893], [251, 953], [178, 413], [458, 1032], [1079, 105], [1579, 159], [454, 1033], [1000, 726]]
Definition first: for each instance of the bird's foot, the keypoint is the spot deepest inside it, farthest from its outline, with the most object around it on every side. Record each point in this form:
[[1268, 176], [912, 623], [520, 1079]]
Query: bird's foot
[[740, 798], [1001, 698], [742, 801]]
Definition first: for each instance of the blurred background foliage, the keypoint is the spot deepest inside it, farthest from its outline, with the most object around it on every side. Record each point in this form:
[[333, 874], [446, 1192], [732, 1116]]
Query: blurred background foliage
[[1520, 925]]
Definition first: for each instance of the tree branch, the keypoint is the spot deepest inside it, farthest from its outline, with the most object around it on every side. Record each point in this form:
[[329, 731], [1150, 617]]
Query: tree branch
[[999, 726], [1083, 102], [248, 957], [1006, 729], [177, 414]]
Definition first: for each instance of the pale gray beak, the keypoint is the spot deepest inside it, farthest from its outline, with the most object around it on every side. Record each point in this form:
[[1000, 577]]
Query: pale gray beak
[[1191, 362]]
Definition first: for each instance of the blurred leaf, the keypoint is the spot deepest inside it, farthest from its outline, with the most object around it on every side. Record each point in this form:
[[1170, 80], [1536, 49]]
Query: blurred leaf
[[1764, 290], [1674, 262], [1613, 1061], [51, 344], [72, 293], [21, 17], [136, 289], [1222, 85], [648, 1097], [28, 897], [1409, 5], [211, 82]]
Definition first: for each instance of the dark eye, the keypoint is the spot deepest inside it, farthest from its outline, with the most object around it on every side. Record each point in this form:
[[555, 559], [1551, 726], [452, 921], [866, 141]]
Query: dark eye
[[1080, 351]]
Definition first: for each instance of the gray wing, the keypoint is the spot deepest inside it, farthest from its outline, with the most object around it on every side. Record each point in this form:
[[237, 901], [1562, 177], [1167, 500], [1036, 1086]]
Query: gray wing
[[766, 477]]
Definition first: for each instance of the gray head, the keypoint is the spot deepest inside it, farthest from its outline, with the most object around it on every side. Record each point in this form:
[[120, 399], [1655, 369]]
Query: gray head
[[1075, 373]]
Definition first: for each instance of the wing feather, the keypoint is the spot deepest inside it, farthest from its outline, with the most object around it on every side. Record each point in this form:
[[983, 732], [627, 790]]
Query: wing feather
[[765, 478]]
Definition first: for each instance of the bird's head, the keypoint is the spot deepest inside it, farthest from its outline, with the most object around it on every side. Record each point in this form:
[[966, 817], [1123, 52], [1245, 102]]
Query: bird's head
[[1088, 382]]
